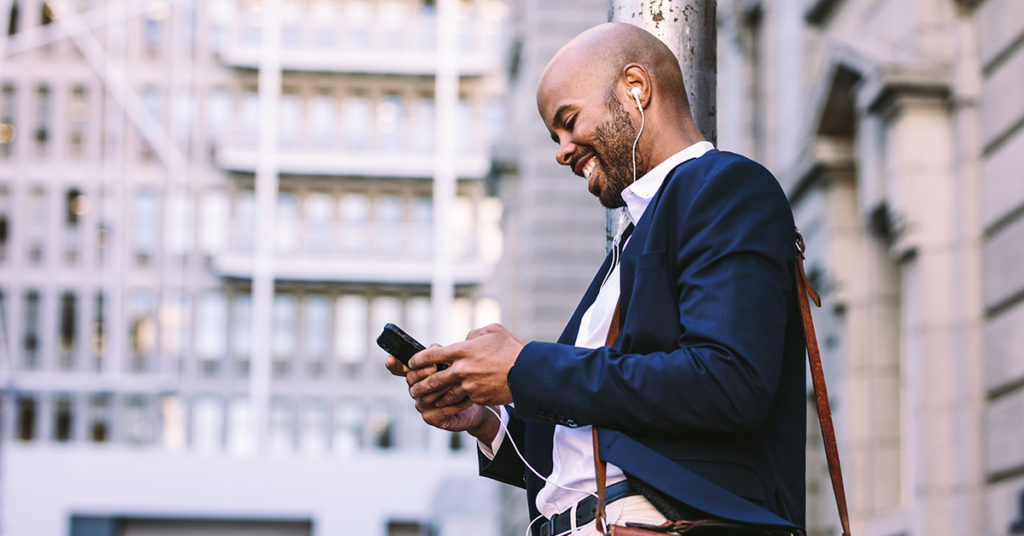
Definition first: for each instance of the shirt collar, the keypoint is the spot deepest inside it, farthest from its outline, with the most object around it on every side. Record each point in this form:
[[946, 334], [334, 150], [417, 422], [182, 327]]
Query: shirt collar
[[639, 194]]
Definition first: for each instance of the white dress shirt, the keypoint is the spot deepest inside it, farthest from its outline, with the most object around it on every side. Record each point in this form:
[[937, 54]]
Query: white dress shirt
[[572, 473]]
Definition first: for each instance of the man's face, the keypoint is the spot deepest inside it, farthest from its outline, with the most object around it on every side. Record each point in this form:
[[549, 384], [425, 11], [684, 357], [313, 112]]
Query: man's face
[[593, 131]]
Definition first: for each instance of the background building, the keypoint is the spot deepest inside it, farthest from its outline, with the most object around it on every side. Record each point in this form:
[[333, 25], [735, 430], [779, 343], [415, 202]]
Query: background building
[[553, 228], [203, 226], [895, 127]]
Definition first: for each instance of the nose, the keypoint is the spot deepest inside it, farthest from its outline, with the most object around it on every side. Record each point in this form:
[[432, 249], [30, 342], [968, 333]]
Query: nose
[[565, 152]]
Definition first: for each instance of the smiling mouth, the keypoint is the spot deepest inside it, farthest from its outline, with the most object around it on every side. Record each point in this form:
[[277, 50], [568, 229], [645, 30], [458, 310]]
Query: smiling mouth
[[589, 168]]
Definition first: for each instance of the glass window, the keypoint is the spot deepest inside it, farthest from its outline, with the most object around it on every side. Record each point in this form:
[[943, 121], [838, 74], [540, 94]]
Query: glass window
[[136, 420], [67, 326], [488, 311], [418, 319], [207, 423], [356, 121], [8, 119], [154, 26], [5, 221], [359, 16], [388, 216], [174, 330], [252, 22], [323, 116], [291, 23], [221, 14], [422, 227], [99, 418], [13, 19], [350, 329], [355, 218], [460, 322], [178, 229], [142, 333], [211, 325], [394, 22], [37, 225], [218, 113], [319, 232], [187, 17], [390, 116], [241, 325], [463, 229], [245, 221], [290, 126], [423, 125], [31, 340], [348, 426], [26, 418], [384, 309], [78, 119], [44, 111], [489, 234], [286, 223], [145, 231], [382, 425], [250, 123], [173, 421], [241, 428], [75, 207], [313, 427], [152, 100], [324, 17], [281, 425], [184, 119], [316, 323], [284, 326], [467, 140], [99, 331], [63, 419], [213, 221]]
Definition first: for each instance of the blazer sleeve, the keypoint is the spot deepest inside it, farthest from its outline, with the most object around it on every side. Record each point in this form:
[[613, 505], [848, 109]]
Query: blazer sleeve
[[506, 466], [729, 262]]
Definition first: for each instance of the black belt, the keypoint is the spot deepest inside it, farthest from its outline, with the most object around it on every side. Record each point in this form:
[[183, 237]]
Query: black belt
[[585, 509]]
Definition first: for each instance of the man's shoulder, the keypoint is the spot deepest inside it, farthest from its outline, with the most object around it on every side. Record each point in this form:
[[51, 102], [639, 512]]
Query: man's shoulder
[[721, 169]]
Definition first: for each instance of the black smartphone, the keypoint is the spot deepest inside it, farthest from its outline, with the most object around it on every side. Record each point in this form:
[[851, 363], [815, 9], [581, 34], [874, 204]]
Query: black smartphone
[[400, 344]]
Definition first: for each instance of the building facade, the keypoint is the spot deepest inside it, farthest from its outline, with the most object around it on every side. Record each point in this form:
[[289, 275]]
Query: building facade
[[895, 127], [208, 210]]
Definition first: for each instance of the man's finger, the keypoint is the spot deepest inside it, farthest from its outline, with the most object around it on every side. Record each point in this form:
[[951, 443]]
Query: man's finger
[[434, 355], [433, 382], [395, 367]]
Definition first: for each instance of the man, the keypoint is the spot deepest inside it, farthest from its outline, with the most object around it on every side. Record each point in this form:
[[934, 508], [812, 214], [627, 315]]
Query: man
[[699, 400]]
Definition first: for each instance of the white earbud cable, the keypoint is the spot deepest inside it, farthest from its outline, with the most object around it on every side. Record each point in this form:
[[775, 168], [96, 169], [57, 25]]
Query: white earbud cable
[[636, 95], [534, 471]]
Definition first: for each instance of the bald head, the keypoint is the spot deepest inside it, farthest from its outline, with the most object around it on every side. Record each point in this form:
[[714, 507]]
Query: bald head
[[601, 53], [615, 89]]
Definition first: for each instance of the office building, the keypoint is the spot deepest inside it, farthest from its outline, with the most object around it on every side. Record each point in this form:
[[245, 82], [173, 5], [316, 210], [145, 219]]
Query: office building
[[203, 226]]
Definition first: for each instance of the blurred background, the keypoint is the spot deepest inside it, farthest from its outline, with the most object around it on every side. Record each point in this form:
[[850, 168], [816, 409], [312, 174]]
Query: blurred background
[[209, 208]]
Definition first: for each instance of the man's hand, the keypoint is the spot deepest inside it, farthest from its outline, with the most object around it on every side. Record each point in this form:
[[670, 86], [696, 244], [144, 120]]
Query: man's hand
[[477, 369], [463, 416]]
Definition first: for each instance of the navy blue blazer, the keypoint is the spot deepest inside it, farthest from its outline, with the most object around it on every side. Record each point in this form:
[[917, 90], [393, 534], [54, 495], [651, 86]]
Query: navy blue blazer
[[703, 394]]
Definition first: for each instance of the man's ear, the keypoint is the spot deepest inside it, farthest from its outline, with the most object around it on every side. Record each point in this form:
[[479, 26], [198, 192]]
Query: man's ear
[[635, 76]]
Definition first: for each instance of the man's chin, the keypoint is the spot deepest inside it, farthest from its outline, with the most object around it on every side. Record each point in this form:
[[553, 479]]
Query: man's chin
[[611, 201]]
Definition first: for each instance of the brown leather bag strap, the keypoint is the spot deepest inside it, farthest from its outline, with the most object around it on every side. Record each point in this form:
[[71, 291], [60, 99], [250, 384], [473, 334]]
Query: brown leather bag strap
[[601, 466], [828, 433]]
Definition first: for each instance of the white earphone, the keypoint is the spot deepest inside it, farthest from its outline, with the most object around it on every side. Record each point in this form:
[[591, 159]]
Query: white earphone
[[635, 91]]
